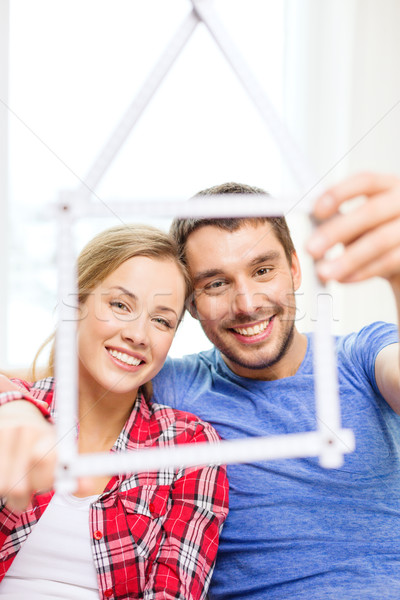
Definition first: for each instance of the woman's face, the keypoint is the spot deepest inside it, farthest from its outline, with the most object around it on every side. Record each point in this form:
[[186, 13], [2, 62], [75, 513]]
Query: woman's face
[[127, 326]]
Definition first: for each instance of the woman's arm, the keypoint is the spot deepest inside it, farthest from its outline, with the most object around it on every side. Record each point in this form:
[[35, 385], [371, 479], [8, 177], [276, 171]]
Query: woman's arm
[[27, 445], [19, 390]]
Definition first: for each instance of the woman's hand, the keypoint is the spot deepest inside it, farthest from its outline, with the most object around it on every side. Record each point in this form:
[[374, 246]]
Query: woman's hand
[[370, 233], [27, 452]]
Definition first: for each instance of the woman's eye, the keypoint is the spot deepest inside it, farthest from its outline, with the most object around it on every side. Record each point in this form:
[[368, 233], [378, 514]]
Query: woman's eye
[[119, 305], [162, 322]]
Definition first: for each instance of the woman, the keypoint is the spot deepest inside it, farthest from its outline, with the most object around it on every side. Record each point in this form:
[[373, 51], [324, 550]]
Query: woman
[[145, 535]]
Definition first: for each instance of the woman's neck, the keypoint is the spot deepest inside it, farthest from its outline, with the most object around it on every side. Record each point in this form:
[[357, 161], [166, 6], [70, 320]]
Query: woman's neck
[[101, 420]]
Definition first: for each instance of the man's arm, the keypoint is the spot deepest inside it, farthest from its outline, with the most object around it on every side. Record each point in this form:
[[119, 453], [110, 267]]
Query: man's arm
[[370, 235], [387, 375]]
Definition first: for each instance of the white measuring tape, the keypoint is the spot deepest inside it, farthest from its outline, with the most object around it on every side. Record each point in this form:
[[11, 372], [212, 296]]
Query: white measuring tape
[[330, 441]]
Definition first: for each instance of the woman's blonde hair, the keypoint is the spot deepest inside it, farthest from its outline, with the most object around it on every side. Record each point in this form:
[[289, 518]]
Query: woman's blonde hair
[[106, 252]]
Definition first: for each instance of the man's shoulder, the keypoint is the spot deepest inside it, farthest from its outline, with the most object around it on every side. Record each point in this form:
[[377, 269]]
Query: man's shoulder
[[180, 377], [190, 364], [375, 335]]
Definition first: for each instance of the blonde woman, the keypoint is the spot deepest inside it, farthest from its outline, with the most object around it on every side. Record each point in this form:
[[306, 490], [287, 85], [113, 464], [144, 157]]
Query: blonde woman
[[148, 535]]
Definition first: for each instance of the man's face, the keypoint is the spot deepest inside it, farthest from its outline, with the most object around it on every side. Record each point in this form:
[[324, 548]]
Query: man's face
[[244, 296]]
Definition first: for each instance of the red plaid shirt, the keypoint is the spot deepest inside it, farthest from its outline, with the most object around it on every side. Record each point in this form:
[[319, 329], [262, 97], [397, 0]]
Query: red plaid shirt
[[154, 534]]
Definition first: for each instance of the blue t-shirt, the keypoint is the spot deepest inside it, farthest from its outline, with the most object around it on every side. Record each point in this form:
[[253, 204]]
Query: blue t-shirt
[[296, 530]]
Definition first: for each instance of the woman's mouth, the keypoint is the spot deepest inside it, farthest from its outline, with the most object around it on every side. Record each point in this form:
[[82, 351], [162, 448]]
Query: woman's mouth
[[124, 359]]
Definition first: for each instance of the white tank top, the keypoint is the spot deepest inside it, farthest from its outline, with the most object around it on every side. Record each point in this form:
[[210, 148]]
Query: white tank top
[[56, 560]]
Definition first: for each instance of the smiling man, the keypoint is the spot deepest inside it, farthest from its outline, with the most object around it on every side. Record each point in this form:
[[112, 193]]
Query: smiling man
[[296, 530], [246, 304]]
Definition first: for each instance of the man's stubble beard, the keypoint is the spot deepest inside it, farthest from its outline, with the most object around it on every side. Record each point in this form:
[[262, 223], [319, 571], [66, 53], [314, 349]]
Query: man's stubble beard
[[263, 363]]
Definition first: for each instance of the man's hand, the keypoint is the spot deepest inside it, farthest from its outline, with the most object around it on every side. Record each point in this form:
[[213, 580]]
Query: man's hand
[[27, 453], [370, 233]]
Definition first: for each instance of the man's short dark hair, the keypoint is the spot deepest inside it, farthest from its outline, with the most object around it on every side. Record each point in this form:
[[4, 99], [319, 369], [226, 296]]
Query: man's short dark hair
[[182, 228]]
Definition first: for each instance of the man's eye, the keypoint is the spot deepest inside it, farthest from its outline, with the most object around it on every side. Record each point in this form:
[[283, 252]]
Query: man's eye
[[214, 285], [264, 271]]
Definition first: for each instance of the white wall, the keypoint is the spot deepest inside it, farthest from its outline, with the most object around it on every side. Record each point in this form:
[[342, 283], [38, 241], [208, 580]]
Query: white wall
[[341, 100], [72, 77], [4, 224], [343, 105]]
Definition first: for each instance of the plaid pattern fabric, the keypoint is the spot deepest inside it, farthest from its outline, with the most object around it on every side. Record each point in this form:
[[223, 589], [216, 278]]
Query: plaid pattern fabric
[[154, 534]]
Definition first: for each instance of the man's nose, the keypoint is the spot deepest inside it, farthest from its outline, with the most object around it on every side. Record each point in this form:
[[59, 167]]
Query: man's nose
[[246, 298]]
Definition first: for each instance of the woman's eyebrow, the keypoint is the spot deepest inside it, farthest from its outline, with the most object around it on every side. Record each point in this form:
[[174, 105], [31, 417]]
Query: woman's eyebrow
[[163, 308], [124, 291]]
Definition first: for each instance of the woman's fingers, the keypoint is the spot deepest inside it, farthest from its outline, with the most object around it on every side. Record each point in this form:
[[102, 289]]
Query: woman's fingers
[[27, 453], [31, 467]]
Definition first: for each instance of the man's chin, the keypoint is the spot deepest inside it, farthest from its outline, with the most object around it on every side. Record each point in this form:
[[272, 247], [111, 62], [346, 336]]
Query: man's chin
[[256, 359], [263, 363]]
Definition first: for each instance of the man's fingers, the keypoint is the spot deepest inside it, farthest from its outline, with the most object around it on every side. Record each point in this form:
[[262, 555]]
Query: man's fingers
[[345, 228], [362, 184], [371, 248], [387, 266]]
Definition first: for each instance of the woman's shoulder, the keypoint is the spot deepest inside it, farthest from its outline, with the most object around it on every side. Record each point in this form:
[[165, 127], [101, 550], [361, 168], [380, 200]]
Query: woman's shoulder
[[184, 424]]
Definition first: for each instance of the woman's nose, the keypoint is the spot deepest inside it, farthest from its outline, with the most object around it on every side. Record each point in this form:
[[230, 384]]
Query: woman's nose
[[135, 331]]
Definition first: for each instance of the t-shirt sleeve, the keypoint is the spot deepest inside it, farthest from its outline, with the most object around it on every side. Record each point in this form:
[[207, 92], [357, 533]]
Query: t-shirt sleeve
[[363, 347]]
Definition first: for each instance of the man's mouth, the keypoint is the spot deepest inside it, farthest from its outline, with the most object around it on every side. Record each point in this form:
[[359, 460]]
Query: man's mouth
[[124, 358], [253, 329]]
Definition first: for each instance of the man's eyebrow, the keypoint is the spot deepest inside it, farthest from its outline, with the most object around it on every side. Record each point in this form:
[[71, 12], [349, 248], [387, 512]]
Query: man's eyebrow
[[207, 274], [273, 255]]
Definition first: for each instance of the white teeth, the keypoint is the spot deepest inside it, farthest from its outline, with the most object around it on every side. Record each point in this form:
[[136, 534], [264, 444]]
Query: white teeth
[[252, 330], [125, 358]]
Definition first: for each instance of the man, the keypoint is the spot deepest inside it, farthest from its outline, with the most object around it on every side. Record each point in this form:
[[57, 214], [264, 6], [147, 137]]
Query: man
[[296, 530]]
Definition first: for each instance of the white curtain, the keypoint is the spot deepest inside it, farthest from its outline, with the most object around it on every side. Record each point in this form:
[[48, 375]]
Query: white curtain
[[342, 96], [4, 225]]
